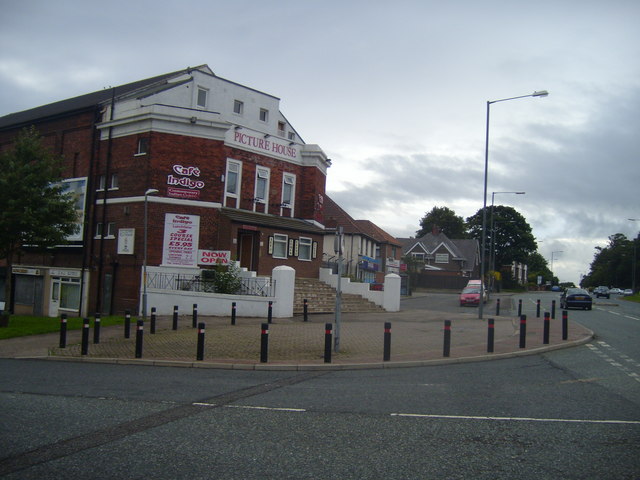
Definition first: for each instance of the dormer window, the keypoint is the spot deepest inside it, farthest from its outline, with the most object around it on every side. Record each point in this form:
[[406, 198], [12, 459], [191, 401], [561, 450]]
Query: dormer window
[[264, 115], [202, 97]]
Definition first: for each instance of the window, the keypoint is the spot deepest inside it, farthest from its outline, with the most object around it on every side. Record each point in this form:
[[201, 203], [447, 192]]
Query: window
[[233, 178], [442, 258], [281, 127], [288, 189], [262, 184], [304, 249], [114, 182], [202, 97], [418, 256], [280, 246], [70, 293], [101, 182], [143, 146], [111, 230], [264, 115], [291, 136], [238, 107]]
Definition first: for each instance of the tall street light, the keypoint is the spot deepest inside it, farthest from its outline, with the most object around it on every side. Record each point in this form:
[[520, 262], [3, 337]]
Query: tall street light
[[492, 245], [151, 191], [552, 254], [540, 93], [633, 265]]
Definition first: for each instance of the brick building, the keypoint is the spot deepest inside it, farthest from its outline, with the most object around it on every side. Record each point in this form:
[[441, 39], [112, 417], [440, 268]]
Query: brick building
[[221, 171]]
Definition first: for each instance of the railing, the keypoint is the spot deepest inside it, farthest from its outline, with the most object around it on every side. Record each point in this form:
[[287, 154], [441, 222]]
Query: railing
[[257, 286]]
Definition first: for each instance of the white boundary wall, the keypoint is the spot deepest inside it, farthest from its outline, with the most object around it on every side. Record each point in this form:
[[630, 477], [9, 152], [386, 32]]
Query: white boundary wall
[[389, 298]]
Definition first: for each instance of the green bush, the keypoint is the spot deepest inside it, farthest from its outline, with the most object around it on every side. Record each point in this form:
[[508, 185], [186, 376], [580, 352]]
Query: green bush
[[222, 279]]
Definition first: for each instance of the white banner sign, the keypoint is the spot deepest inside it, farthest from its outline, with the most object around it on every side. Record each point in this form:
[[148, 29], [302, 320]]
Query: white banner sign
[[126, 238], [181, 233]]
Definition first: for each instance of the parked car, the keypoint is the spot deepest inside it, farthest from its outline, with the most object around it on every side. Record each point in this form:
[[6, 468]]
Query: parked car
[[601, 292], [575, 298], [471, 296], [615, 291], [627, 292]]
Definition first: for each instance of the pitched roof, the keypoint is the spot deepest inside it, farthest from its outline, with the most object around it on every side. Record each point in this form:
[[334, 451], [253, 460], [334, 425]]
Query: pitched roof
[[90, 101], [377, 233]]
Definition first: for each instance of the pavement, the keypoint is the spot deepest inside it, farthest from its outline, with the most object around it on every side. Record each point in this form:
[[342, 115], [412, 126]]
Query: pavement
[[416, 339]]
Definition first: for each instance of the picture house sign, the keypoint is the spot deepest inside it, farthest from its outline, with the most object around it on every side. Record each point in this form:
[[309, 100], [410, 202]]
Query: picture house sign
[[185, 183]]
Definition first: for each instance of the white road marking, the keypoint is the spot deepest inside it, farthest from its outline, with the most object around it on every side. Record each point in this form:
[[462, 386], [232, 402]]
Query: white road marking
[[516, 419], [277, 409]]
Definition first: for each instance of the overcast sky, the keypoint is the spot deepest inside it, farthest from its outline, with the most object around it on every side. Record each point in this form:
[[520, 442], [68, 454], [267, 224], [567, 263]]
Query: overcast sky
[[394, 92]]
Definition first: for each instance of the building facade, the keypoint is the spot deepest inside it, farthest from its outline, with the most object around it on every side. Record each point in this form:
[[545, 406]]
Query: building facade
[[209, 169]]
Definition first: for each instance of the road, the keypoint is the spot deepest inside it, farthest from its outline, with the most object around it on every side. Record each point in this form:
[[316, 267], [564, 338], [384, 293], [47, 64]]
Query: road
[[571, 413]]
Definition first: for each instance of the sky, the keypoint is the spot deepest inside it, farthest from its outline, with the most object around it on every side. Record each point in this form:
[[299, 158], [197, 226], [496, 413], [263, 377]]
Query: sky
[[395, 93]]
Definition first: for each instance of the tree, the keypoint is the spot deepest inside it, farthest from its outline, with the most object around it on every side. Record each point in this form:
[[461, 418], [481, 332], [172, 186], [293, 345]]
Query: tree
[[446, 220], [613, 265], [511, 239], [537, 266], [35, 212]]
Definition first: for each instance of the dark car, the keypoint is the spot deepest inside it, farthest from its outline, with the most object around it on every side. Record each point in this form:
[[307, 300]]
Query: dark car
[[601, 292], [575, 298]]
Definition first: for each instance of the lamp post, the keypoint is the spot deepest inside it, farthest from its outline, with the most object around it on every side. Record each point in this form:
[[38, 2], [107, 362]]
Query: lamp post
[[151, 191], [552, 253], [633, 265], [492, 245], [541, 93]]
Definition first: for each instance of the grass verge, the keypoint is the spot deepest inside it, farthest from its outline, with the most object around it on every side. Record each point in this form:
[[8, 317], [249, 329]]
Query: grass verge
[[23, 325]]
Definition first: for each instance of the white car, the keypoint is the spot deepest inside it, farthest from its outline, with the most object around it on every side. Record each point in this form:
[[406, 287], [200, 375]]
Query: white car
[[615, 291], [627, 292]]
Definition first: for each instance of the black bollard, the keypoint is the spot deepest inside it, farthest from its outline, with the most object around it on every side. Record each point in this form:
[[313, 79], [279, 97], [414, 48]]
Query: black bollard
[[497, 307], [523, 331], [490, 335], [63, 330], [328, 340], [270, 312], [264, 343], [447, 338], [538, 308], [520, 307], [127, 324], [545, 333], [553, 309], [152, 329], [96, 329], [565, 324], [175, 317], [387, 342], [305, 309], [195, 315], [200, 352], [139, 333], [85, 337], [233, 313]]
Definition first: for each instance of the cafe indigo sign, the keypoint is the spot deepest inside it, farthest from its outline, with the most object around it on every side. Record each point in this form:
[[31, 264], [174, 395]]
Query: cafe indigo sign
[[182, 184]]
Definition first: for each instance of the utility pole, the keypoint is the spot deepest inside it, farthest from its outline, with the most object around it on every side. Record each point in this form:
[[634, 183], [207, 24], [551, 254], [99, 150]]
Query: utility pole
[[338, 247]]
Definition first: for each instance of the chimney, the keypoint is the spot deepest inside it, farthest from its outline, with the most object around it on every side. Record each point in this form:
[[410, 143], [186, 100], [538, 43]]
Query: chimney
[[435, 230]]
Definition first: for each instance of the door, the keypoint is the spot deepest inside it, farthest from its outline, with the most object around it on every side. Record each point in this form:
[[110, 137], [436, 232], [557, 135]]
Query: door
[[246, 249], [54, 301]]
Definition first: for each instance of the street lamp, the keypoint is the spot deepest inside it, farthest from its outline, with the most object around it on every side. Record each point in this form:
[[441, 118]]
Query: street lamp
[[492, 245], [633, 265], [151, 191], [541, 93], [552, 253]]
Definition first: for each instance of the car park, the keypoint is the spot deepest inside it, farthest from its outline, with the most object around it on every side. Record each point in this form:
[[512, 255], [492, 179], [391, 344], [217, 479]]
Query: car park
[[576, 298]]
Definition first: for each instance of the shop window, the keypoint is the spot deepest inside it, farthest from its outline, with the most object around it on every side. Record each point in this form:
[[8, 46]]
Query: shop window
[[70, 293], [238, 107], [304, 249]]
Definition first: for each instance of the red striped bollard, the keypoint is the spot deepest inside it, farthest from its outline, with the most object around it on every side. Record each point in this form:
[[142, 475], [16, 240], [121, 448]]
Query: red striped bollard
[[497, 307], [233, 313], [174, 325], [270, 312], [553, 309], [200, 351], [387, 342], [520, 307], [447, 338], [328, 340], [565, 324], [538, 308], [139, 333], [305, 309], [545, 333], [523, 331], [152, 329], [63, 330], [264, 343], [490, 335], [195, 315]]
